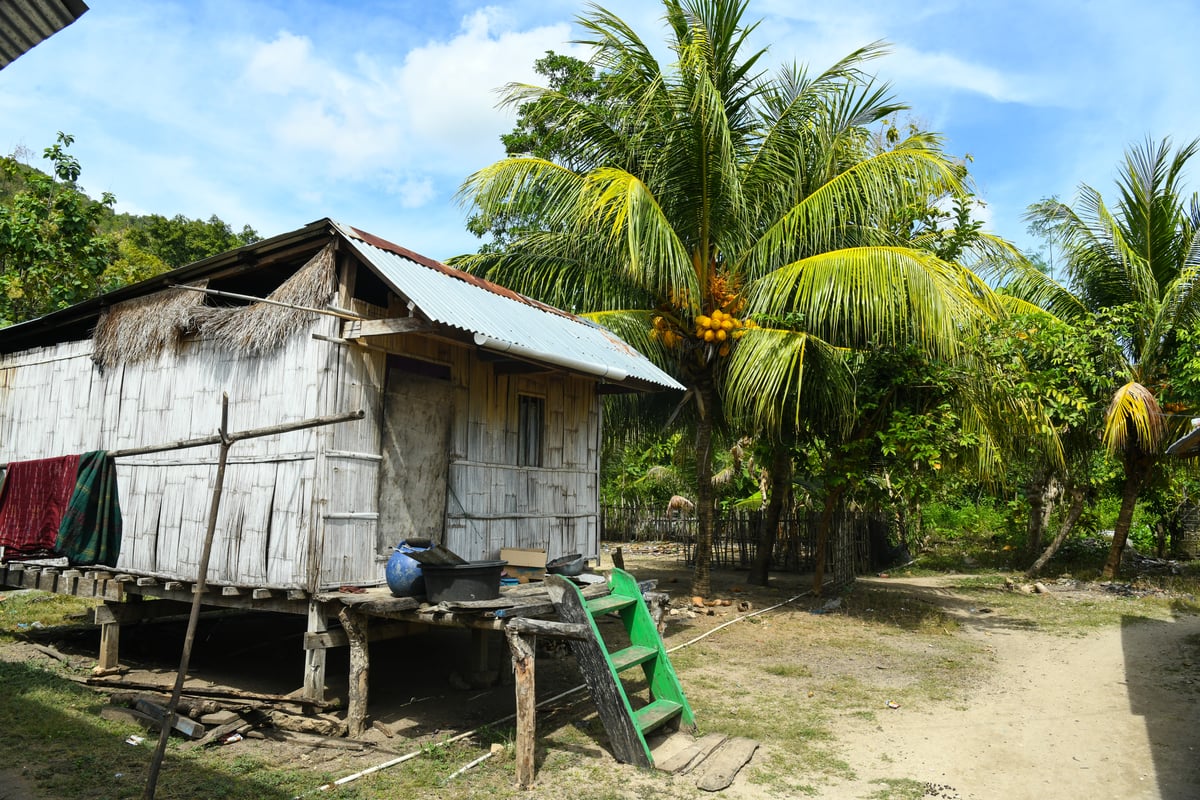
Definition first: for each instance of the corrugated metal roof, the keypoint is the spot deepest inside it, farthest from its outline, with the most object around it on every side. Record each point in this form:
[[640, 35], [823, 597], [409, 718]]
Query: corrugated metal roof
[[504, 321], [25, 23]]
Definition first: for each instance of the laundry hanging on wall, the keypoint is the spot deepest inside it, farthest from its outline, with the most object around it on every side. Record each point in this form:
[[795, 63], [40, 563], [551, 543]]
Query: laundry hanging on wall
[[63, 506], [90, 532]]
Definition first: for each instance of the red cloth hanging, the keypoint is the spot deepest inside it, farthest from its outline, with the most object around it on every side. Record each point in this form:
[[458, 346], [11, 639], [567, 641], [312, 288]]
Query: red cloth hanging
[[33, 499]]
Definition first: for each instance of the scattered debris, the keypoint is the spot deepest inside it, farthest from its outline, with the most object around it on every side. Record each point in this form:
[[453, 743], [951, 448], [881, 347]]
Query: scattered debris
[[892, 704]]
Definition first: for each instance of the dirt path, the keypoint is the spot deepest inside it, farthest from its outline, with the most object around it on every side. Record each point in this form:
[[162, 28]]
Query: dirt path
[[1113, 713]]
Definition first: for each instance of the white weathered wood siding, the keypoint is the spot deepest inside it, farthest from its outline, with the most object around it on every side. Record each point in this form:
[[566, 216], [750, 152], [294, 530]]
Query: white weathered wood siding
[[492, 503], [296, 508]]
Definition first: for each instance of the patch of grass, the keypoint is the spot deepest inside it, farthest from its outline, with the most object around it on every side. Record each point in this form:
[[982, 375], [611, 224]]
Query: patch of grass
[[898, 789], [788, 670], [22, 611]]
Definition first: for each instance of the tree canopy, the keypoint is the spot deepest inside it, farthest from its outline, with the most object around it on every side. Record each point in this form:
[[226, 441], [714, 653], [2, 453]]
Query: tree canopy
[[58, 246], [705, 200]]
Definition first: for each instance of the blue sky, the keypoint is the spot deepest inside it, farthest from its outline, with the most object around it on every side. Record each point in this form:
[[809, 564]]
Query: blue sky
[[275, 114]]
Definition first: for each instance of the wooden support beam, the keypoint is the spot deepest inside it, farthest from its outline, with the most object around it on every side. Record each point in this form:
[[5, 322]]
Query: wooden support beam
[[48, 580], [29, 578], [314, 659], [377, 633], [523, 660], [549, 628], [383, 327], [137, 612], [110, 644], [355, 626]]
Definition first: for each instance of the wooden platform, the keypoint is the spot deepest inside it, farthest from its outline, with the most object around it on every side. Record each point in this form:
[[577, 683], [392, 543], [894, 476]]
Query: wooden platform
[[352, 617]]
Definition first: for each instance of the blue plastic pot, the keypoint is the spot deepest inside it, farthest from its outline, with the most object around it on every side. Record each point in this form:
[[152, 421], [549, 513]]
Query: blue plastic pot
[[404, 576]]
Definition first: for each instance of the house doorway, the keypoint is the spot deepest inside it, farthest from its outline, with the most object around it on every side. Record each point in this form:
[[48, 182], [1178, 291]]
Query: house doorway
[[418, 411]]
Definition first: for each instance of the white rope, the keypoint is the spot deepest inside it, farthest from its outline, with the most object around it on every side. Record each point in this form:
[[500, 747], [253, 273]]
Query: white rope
[[502, 720]]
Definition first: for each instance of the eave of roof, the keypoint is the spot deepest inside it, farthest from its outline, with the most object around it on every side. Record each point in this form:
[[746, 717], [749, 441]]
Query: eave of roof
[[1186, 446], [504, 321], [26, 23]]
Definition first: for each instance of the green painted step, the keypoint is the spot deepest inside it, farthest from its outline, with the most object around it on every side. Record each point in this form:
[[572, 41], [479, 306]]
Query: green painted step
[[656, 714], [602, 668], [632, 656], [600, 606]]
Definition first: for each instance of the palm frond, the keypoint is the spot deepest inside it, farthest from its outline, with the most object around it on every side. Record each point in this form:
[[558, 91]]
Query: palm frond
[[861, 297], [1133, 420]]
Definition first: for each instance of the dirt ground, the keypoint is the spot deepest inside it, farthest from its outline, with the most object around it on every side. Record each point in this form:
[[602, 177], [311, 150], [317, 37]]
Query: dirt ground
[[1112, 712]]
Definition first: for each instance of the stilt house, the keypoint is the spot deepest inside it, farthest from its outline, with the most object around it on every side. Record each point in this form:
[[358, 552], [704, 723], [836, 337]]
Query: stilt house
[[482, 410]]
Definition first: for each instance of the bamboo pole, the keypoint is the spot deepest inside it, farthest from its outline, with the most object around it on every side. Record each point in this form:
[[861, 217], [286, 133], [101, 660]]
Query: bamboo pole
[[226, 440], [253, 299], [252, 433]]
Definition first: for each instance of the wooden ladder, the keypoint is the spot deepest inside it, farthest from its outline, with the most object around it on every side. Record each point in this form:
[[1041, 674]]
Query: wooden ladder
[[627, 727]]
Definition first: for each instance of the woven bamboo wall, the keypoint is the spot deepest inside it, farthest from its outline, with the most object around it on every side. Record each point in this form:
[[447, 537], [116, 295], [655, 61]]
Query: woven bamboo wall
[[492, 503], [295, 507]]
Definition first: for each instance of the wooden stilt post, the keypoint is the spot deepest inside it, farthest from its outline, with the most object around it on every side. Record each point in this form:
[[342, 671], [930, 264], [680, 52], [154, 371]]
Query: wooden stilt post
[[479, 654], [314, 659], [110, 643], [355, 625], [523, 649]]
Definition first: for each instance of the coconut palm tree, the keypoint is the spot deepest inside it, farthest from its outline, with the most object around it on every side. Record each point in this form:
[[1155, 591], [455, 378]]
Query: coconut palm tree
[[1138, 264], [728, 222]]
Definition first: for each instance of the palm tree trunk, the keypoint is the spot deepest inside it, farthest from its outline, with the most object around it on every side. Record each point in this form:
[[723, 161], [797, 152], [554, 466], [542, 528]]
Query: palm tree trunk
[[781, 484], [823, 528], [705, 510], [1136, 470], [1041, 493], [1078, 495]]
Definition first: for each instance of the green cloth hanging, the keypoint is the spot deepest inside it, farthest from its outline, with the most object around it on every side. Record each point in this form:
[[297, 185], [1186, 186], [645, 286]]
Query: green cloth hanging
[[90, 532]]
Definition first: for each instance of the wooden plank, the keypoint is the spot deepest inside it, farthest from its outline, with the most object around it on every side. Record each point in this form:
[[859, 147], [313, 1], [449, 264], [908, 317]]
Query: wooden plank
[[137, 612], [188, 727], [725, 764], [48, 580], [548, 628], [388, 605], [685, 760], [29, 577], [110, 643], [382, 327], [327, 639]]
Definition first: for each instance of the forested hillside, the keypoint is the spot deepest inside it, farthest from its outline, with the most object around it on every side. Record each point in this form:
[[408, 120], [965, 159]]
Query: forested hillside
[[59, 246]]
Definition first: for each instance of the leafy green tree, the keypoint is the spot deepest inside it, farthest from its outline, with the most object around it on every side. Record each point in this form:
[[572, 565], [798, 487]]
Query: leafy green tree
[[52, 253], [535, 135], [704, 193], [178, 240], [1137, 262]]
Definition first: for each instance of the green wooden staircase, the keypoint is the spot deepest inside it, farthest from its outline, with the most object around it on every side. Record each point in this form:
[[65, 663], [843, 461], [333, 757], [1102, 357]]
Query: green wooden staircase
[[627, 727]]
